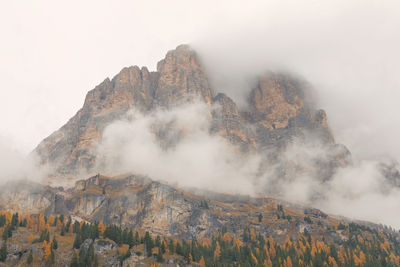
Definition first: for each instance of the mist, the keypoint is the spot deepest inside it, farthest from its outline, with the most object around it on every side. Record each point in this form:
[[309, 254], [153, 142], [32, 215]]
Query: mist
[[15, 165], [348, 50], [175, 147], [187, 155]]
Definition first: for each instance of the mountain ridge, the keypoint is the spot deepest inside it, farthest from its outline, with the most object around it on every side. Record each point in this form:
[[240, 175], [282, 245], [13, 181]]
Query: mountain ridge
[[279, 110]]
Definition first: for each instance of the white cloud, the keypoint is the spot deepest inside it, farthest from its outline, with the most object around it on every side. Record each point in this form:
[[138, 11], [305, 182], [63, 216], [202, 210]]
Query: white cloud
[[195, 159]]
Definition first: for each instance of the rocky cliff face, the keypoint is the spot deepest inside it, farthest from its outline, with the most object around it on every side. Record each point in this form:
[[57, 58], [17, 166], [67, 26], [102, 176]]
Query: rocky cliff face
[[137, 202], [279, 110]]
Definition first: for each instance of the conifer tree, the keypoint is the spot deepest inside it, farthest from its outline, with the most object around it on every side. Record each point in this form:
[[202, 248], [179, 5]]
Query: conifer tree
[[54, 243], [29, 259], [160, 256], [74, 261], [3, 252]]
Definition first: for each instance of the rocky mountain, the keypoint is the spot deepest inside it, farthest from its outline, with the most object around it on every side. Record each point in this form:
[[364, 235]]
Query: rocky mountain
[[193, 227], [148, 223], [137, 202], [279, 110]]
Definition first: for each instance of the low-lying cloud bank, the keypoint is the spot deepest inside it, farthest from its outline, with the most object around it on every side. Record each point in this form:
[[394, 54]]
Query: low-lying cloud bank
[[189, 156], [17, 166]]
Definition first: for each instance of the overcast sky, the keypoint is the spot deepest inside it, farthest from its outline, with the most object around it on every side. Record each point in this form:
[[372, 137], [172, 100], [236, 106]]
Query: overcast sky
[[53, 52]]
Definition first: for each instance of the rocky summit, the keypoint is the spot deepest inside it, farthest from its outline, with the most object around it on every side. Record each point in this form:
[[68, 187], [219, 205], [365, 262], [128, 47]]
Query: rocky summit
[[279, 109]]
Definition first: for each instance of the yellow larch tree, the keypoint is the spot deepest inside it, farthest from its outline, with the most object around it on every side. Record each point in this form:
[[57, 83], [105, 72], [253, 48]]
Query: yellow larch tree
[[44, 244], [58, 224], [42, 223], [202, 262], [254, 258], [206, 242], [272, 250], [102, 227], [267, 262], [30, 238], [8, 217], [332, 262], [28, 221], [50, 220], [237, 243], [252, 234], [356, 259], [227, 237], [385, 246], [217, 251], [341, 257], [47, 252], [362, 257], [288, 262], [190, 258], [394, 259]]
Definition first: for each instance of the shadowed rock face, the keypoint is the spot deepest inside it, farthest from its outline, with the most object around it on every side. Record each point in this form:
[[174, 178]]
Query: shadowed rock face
[[279, 110]]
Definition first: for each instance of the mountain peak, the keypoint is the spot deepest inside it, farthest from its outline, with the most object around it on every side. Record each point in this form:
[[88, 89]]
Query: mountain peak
[[181, 77], [279, 110]]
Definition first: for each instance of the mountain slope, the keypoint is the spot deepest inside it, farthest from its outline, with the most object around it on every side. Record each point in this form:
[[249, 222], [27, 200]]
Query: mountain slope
[[137, 202]]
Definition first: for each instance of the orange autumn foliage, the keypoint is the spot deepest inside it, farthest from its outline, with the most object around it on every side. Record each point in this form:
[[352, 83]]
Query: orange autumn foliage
[[217, 251], [202, 262]]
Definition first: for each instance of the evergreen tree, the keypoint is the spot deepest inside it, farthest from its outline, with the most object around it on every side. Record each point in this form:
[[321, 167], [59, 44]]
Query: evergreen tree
[[62, 230], [3, 252], [160, 256], [162, 247], [158, 241], [14, 220], [2, 220], [149, 244], [137, 238], [54, 244], [7, 232], [74, 261], [130, 239], [123, 257], [45, 235], [29, 259], [23, 223], [77, 241], [171, 246]]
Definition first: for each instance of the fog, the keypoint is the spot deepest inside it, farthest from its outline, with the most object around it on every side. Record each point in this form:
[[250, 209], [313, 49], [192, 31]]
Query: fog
[[348, 50], [188, 156], [15, 165]]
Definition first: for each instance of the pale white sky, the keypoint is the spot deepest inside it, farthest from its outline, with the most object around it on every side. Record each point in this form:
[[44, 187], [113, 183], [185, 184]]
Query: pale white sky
[[53, 52]]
